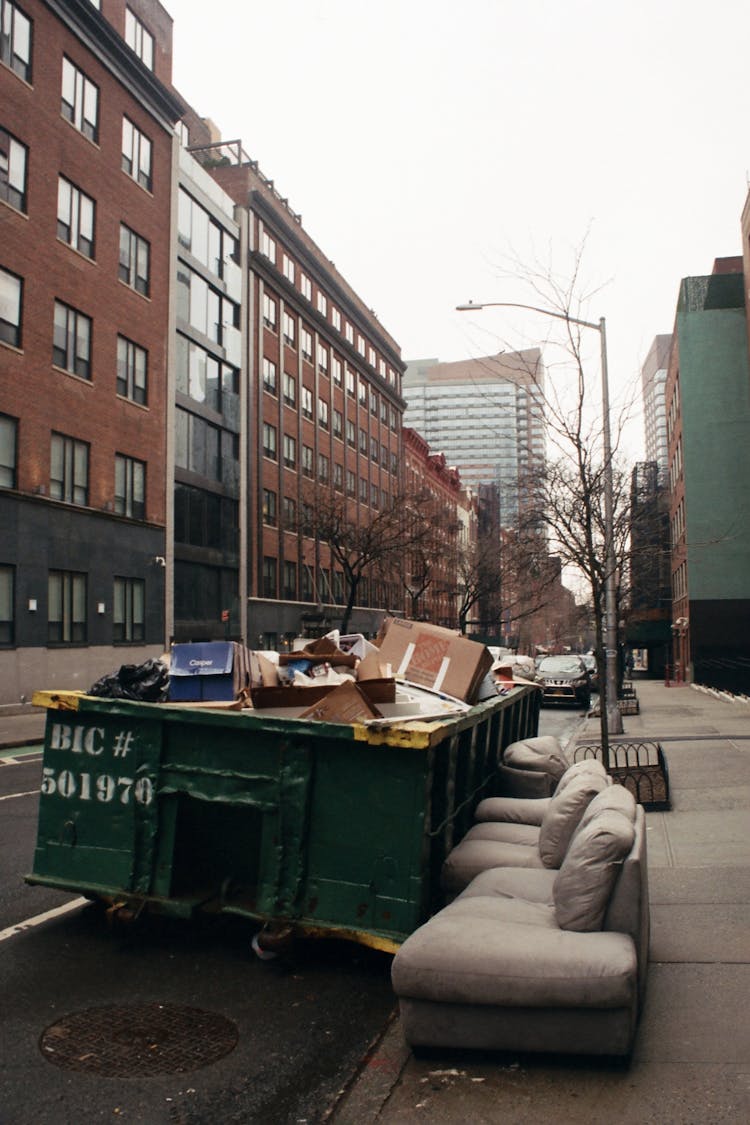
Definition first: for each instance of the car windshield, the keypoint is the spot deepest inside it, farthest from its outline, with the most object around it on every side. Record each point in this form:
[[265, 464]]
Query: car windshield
[[560, 664]]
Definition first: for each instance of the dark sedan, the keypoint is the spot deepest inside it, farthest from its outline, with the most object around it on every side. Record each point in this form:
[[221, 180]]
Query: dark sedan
[[564, 679]]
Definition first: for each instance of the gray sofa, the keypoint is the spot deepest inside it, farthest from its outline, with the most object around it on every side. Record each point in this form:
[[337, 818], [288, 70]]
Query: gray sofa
[[539, 959]]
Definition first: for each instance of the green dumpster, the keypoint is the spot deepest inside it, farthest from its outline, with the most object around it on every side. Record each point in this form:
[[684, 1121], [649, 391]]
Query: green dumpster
[[330, 829]]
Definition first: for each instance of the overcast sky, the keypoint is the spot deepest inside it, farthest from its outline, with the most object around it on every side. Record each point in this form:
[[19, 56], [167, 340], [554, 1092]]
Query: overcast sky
[[424, 141]]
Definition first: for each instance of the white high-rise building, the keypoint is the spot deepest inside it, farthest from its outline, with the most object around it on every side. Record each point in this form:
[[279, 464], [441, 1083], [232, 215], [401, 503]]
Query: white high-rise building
[[653, 382], [486, 415]]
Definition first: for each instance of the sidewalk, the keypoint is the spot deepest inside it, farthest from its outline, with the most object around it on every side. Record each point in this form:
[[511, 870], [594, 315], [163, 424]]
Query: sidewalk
[[691, 1063], [21, 726]]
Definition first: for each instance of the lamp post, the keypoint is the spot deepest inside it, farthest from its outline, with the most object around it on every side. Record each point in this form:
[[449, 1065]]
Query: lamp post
[[611, 718]]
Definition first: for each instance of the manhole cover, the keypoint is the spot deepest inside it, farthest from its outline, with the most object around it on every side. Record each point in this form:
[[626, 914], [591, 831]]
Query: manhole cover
[[138, 1041]]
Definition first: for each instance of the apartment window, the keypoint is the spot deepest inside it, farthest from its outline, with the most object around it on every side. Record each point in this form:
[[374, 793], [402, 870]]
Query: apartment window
[[351, 433], [288, 268], [14, 158], [269, 577], [289, 512], [71, 343], [198, 446], [75, 217], [11, 290], [338, 423], [269, 441], [69, 470], [8, 450], [290, 389], [15, 39], [134, 260], [363, 441], [374, 449], [7, 605], [204, 378], [350, 382], [361, 345], [322, 414], [323, 359], [269, 507], [371, 356], [290, 330], [338, 476], [267, 245], [128, 610], [349, 332], [362, 393], [269, 312], [363, 490], [132, 370], [374, 497], [139, 39], [80, 100], [307, 344], [130, 487], [269, 375], [322, 304], [136, 154], [307, 584], [384, 412], [336, 371], [290, 451], [307, 403], [307, 460], [305, 286], [336, 318], [289, 581], [323, 468], [66, 607], [207, 240], [373, 404], [351, 482]]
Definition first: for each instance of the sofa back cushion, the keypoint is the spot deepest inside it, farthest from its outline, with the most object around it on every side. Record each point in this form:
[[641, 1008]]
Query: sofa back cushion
[[563, 815], [585, 766], [615, 797], [585, 881], [541, 754]]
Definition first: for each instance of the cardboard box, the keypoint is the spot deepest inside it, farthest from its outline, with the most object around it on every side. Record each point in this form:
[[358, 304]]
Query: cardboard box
[[430, 656], [343, 704], [212, 670]]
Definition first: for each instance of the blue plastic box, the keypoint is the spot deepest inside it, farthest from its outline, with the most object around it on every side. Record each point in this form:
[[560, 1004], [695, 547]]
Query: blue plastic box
[[213, 670]]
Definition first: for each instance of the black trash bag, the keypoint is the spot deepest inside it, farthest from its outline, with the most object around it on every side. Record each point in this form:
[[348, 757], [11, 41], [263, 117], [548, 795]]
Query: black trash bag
[[147, 682]]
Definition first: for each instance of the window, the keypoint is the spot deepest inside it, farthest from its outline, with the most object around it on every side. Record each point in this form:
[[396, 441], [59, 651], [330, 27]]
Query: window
[[362, 392], [15, 39], [7, 605], [374, 496], [290, 513], [351, 433], [307, 584], [269, 507], [351, 482], [13, 164], [71, 344], [269, 577], [289, 581], [323, 468], [363, 441], [80, 100], [204, 378], [363, 490], [307, 402], [269, 375], [8, 451], [338, 476], [336, 371], [208, 241], [130, 487], [132, 370], [290, 451], [350, 382], [349, 332], [269, 312], [307, 344], [198, 446], [307, 460], [290, 389], [75, 217], [338, 423], [374, 449], [323, 359], [360, 344], [269, 441], [69, 470], [204, 519], [373, 404], [139, 39], [288, 268], [136, 154], [128, 610], [290, 330], [322, 305], [322, 414], [66, 607], [11, 288], [336, 318], [305, 286], [134, 260], [267, 245]]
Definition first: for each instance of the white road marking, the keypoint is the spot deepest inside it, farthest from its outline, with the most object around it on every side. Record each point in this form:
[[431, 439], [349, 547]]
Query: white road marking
[[10, 796], [39, 919]]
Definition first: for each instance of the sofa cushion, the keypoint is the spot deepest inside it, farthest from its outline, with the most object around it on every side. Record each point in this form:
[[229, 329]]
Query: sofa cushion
[[533, 884], [477, 960], [470, 857], [541, 754], [507, 833], [584, 883], [564, 814], [503, 909], [585, 766], [512, 810], [615, 797]]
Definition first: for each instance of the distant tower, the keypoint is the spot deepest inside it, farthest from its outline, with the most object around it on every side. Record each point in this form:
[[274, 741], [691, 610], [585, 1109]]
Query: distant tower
[[653, 381]]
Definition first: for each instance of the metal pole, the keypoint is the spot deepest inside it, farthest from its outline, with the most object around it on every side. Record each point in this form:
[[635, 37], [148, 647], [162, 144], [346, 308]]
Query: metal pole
[[614, 717]]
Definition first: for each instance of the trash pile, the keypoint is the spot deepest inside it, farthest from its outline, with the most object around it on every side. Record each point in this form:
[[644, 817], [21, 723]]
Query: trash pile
[[412, 670]]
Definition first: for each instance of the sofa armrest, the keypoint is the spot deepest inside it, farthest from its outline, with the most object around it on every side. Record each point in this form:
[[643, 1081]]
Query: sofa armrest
[[513, 810], [525, 783]]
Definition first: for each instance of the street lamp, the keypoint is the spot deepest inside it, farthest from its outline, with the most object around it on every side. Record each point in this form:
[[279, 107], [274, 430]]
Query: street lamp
[[611, 718]]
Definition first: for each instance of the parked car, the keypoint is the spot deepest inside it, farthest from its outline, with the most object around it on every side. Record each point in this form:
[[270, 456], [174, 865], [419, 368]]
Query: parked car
[[564, 679], [589, 660]]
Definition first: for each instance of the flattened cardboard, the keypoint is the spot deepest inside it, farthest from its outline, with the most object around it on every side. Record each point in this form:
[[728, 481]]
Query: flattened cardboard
[[343, 704]]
